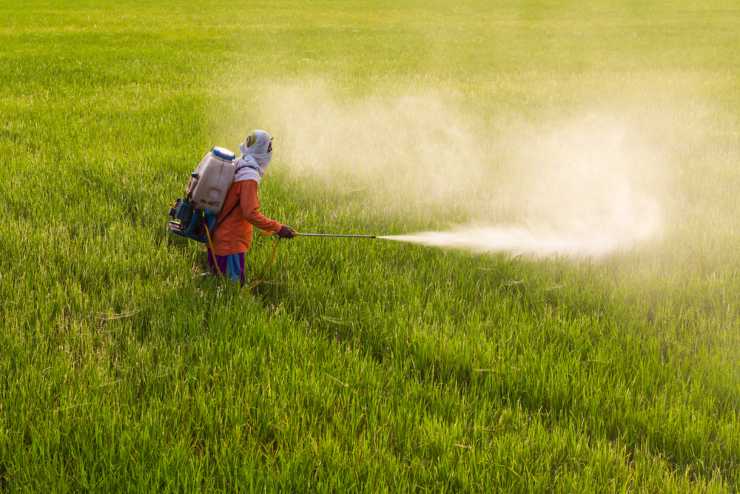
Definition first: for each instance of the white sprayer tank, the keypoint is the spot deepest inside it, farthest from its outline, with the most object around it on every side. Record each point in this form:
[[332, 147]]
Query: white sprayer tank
[[210, 182]]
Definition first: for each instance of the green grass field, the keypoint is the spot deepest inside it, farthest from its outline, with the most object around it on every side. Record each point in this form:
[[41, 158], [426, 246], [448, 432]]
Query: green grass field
[[357, 366]]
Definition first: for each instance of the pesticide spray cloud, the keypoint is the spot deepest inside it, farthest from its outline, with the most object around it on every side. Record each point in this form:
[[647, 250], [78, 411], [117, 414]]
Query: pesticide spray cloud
[[586, 185]]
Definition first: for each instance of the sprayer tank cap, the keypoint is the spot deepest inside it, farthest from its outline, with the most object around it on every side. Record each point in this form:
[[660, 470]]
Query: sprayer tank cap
[[223, 153]]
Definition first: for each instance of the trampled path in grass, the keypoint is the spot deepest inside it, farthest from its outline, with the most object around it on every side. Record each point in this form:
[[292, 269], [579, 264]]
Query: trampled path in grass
[[357, 365]]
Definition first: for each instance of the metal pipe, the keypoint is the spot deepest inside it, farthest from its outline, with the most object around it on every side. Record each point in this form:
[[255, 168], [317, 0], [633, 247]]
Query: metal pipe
[[335, 235]]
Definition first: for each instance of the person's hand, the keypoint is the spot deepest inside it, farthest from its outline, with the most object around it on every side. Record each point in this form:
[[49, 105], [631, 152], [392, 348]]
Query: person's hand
[[286, 232]]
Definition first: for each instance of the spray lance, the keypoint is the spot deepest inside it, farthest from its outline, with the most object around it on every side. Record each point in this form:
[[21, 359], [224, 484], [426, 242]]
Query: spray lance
[[273, 257], [326, 235], [335, 235], [320, 235]]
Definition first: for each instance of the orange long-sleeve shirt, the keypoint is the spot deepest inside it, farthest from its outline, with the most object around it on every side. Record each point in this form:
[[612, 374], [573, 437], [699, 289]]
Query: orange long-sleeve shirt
[[241, 210]]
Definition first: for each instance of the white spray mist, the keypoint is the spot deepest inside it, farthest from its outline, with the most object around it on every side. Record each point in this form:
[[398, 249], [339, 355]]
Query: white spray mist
[[584, 186]]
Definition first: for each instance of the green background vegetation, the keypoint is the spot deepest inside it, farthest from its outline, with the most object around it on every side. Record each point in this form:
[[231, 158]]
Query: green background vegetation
[[358, 365]]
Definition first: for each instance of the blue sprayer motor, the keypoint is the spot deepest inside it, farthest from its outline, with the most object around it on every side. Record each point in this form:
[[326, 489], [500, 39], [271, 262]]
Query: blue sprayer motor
[[204, 196], [187, 221]]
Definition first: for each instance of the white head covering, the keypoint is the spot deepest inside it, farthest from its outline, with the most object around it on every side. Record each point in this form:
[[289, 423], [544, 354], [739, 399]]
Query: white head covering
[[256, 155]]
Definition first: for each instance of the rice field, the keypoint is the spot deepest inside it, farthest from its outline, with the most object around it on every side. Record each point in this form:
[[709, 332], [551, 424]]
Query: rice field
[[358, 365]]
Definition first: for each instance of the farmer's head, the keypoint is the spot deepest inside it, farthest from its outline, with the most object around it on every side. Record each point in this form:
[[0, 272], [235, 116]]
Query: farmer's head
[[258, 144]]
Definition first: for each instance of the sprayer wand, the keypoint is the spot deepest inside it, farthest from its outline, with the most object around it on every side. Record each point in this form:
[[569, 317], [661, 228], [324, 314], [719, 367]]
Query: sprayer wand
[[335, 235]]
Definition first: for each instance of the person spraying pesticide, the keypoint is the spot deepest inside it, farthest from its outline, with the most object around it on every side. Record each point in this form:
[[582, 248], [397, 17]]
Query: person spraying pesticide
[[241, 210], [221, 205]]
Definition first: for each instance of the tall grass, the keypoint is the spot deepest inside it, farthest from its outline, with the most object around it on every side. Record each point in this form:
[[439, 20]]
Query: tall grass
[[357, 365]]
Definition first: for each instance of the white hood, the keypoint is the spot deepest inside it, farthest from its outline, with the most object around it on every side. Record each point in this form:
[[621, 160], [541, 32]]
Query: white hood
[[256, 155]]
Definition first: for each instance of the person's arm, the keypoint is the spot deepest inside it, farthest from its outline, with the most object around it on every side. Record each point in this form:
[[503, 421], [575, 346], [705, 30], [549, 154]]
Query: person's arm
[[250, 205]]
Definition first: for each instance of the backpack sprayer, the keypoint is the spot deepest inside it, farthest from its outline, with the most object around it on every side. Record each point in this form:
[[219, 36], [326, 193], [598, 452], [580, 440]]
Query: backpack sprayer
[[194, 216]]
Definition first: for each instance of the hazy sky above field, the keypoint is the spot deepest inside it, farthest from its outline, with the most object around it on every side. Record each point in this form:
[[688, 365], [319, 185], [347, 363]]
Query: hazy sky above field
[[595, 181]]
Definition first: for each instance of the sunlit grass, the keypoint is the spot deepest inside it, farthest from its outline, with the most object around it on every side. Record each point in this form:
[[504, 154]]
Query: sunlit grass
[[357, 365]]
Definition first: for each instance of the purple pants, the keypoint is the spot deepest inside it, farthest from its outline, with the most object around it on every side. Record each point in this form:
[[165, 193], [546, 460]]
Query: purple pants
[[231, 266]]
